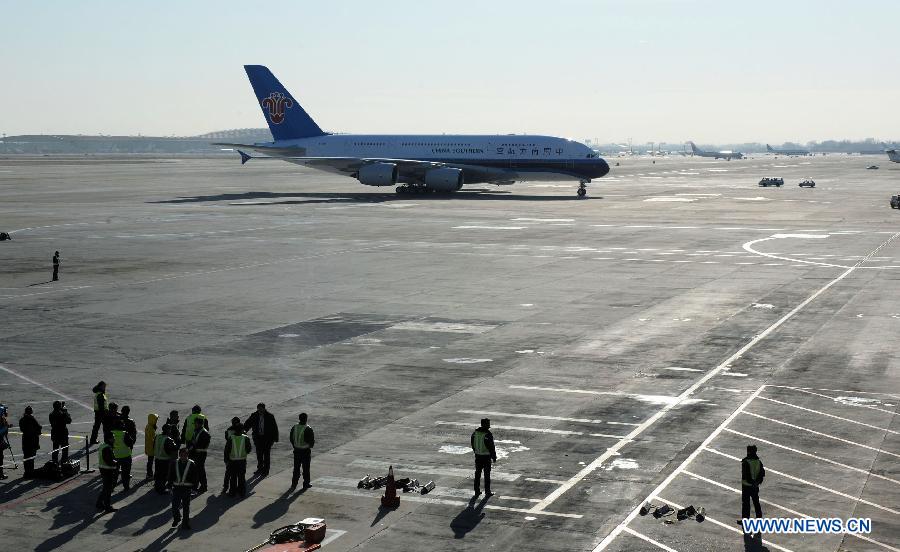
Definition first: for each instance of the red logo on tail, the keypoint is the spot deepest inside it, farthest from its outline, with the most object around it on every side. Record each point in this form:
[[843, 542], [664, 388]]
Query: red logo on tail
[[276, 103]]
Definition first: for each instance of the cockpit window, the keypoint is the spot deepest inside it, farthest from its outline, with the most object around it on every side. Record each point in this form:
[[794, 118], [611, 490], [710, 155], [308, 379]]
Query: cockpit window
[[591, 155]]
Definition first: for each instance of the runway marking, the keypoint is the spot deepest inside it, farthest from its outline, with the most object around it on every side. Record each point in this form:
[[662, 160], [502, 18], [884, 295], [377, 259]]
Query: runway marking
[[448, 327], [531, 429], [652, 399], [42, 386], [681, 369], [891, 395], [814, 432], [732, 528], [748, 246], [665, 483], [534, 416], [811, 484], [835, 399], [648, 539], [525, 219], [831, 415], [419, 498], [540, 480], [823, 459], [431, 470], [479, 227]]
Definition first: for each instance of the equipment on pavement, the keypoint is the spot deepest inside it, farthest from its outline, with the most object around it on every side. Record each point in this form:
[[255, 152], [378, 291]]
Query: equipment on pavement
[[670, 515], [306, 535]]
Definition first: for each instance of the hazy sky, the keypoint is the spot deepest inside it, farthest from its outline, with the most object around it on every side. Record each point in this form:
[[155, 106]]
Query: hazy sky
[[711, 71]]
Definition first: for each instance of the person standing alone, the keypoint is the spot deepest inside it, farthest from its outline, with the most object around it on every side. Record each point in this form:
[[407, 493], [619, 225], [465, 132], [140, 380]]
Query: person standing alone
[[752, 475], [483, 446], [55, 266], [303, 439], [265, 434]]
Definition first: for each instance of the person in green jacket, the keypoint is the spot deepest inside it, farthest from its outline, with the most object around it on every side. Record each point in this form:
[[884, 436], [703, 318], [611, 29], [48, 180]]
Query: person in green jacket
[[752, 474]]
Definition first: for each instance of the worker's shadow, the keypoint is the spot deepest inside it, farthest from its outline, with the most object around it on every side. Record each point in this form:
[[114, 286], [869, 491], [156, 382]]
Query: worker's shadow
[[753, 543], [18, 487], [469, 518], [213, 510], [71, 512], [275, 509], [145, 506], [40, 283]]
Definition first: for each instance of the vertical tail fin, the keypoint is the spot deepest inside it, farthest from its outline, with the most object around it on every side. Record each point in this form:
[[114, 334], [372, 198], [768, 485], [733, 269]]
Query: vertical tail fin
[[286, 117], [769, 149], [694, 148]]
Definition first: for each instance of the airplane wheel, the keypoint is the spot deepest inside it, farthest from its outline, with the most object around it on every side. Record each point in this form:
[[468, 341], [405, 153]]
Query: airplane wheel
[[582, 192]]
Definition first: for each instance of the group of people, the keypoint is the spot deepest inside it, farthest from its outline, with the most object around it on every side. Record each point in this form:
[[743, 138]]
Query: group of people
[[176, 452]]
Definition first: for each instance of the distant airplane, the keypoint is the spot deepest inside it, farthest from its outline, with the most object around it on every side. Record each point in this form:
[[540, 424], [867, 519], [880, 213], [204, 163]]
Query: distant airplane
[[418, 163], [725, 154], [770, 149], [893, 155]]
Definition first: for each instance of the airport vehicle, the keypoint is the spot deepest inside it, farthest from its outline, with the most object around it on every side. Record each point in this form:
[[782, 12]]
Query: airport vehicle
[[872, 168], [724, 154], [413, 163], [771, 181], [807, 183], [895, 202], [893, 155], [788, 152]]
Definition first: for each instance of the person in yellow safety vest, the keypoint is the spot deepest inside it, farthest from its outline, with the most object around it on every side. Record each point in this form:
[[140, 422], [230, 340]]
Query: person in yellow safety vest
[[150, 441], [752, 475], [235, 428], [483, 446], [183, 477], [125, 437], [303, 439], [101, 401], [187, 430], [164, 449], [236, 450], [107, 462], [197, 451]]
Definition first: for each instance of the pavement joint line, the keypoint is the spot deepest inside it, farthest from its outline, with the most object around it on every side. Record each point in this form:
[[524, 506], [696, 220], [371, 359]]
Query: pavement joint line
[[731, 528], [534, 416], [811, 455], [830, 415], [531, 429], [671, 477], [645, 538], [696, 385], [811, 484], [835, 399], [814, 432]]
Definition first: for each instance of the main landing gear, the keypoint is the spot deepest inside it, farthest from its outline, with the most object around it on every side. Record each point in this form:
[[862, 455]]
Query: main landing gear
[[582, 189]]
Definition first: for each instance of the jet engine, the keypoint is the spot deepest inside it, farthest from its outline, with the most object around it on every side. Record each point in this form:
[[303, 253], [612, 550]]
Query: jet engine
[[444, 180], [378, 174]]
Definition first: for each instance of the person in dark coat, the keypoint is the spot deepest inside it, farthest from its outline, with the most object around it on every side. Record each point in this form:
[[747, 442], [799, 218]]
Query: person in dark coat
[[4, 437], [264, 429], [59, 431], [182, 478], [197, 449], [55, 262], [482, 442], [752, 475], [170, 428], [31, 439], [112, 418]]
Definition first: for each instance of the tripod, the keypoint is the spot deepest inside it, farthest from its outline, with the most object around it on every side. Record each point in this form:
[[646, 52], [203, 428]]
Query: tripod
[[9, 446]]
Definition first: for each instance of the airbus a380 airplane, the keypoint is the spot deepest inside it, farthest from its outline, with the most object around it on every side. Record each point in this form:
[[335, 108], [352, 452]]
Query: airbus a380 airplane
[[418, 163]]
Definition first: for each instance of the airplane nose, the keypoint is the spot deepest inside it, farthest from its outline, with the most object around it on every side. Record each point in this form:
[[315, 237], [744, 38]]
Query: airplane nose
[[602, 167]]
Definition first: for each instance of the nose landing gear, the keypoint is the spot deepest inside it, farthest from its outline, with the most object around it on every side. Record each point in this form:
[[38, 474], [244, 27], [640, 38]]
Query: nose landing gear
[[582, 189]]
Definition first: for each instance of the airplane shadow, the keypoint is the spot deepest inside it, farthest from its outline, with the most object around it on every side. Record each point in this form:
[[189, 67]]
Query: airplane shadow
[[301, 198]]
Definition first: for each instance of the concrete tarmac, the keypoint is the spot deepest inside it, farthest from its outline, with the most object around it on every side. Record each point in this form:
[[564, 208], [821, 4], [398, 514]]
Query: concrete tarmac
[[627, 347]]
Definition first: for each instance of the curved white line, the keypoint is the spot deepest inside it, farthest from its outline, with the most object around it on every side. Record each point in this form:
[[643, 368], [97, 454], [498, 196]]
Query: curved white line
[[749, 248]]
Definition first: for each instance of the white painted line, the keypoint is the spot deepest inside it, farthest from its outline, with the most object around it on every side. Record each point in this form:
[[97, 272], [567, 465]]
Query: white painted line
[[530, 429], [891, 395], [619, 528], [418, 498], [835, 399], [681, 369], [331, 535], [830, 415], [644, 537], [42, 386], [540, 480], [867, 473], [534, 416], [814, 432], [478, 227], [811, 484], [526, 219], [732, 528], [431, 470]]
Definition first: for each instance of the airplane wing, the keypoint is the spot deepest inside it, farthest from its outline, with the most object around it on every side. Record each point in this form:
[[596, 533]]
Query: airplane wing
[[409, 168]]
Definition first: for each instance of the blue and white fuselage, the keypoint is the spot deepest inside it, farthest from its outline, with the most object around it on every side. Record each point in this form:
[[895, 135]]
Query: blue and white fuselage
[[441, 163]]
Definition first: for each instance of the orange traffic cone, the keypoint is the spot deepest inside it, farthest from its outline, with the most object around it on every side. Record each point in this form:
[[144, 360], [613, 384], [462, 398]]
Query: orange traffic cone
[[390, 498]]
